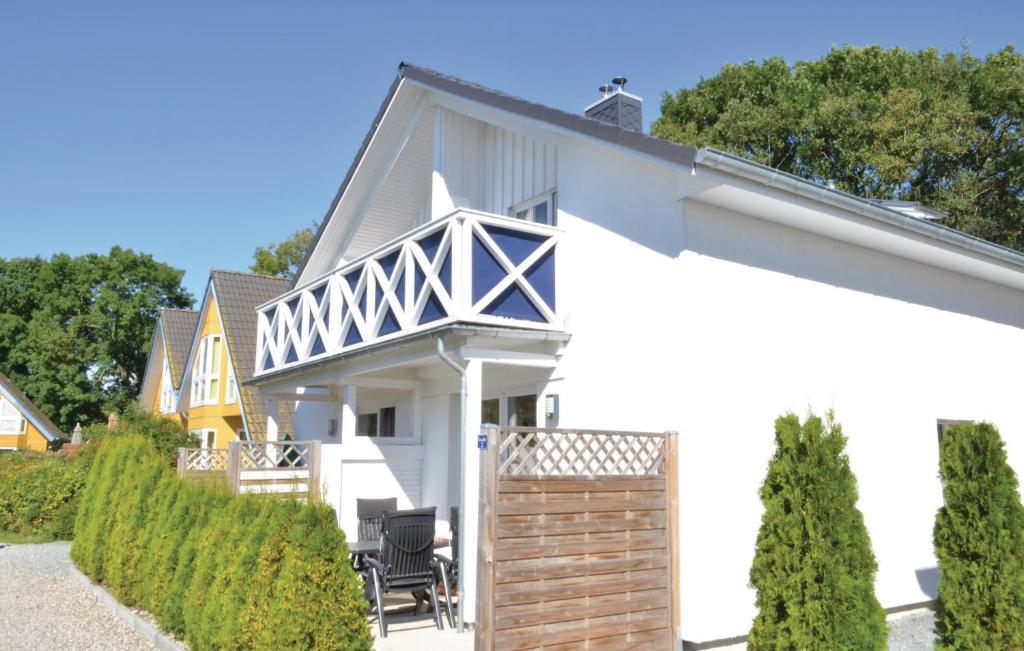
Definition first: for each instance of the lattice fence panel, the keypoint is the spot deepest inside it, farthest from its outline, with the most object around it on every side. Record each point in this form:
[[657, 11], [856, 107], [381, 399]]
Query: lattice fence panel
[[205, 460], [569, 453]]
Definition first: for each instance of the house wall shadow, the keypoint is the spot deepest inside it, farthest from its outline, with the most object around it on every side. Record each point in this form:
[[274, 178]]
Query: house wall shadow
[[928, 579], [757, 243]]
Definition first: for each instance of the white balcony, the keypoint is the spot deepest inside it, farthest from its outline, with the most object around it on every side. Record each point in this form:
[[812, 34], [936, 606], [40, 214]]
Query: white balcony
[[467, 268]]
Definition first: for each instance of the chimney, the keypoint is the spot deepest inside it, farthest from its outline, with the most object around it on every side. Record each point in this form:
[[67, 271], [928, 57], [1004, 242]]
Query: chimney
[[618, 107]]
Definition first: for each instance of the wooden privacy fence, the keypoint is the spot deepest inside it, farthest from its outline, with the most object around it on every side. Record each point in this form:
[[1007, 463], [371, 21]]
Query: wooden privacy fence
[[278, 467], [577, 542]]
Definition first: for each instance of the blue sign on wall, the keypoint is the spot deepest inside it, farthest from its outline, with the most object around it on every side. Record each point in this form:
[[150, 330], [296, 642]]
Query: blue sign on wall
[[481, 441]]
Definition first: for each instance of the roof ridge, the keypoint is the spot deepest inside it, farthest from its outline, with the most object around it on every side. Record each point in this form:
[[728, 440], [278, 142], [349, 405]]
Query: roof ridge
[[247, 273], [179, 309]]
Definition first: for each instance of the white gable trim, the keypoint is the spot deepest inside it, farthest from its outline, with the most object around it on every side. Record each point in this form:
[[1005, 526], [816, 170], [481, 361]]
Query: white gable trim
[[28, 415], [186, 378]]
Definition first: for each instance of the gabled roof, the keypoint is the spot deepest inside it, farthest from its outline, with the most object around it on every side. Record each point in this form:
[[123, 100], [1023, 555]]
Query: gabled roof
[[684, 155], [29, 410], [670, 151], [178, 327], [237, 295]]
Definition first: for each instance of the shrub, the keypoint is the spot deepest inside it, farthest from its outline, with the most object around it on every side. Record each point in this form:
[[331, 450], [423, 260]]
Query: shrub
[[979, 542], [39, 494], [813, 568], [218, 570], [167, 435]]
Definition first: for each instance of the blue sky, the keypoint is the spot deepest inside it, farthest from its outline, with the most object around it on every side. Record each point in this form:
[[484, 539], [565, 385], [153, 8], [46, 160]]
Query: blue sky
[[144, 124]]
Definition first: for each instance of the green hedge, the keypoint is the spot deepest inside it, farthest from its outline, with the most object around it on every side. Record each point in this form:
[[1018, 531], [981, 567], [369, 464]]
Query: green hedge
[[979, 542], [39, 494], [219, 571]]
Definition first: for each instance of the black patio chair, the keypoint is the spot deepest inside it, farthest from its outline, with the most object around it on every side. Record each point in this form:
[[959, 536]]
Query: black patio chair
[[406, 562], [449, 567], [370, 514]]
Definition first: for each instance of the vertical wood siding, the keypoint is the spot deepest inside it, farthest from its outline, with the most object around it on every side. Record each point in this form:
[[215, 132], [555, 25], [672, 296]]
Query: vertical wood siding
[[489, 168]]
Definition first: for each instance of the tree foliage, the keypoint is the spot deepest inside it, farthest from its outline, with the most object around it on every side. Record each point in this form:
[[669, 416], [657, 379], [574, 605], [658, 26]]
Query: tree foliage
[[979, 542], [813, 569], [943, 129], [283, 259], [75, 331]]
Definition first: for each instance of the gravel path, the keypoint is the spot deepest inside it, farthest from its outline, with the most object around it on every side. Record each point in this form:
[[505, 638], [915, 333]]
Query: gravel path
[[912, 632], [43, 607]]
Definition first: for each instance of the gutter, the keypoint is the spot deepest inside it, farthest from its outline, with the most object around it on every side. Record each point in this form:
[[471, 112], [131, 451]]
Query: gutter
[[715, 159], [450, 361]]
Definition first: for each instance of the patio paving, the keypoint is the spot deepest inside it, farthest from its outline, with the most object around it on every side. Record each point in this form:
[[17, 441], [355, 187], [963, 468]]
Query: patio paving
[[411, 632]]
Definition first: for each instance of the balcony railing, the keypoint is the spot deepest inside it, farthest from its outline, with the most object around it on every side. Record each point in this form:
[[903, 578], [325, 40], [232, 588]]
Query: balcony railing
[[468, 267]]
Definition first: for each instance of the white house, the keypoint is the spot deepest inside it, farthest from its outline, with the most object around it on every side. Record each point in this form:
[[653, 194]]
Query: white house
[[488, 259]]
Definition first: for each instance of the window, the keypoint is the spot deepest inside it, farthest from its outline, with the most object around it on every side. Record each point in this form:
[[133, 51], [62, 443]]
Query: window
[[387, 422], [366, 425], [231, 391], [377, 424], [207, 437], [944, 424], [166, 391], [11, 421], [522, 411], [540, 210], [206, 372]]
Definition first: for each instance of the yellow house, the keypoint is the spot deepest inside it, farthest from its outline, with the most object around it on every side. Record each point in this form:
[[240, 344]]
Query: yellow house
[[168, 354], [22, 425], [219, 408]]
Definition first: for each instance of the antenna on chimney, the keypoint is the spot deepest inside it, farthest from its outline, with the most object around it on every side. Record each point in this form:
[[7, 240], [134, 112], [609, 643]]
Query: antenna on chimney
[[620, 82]]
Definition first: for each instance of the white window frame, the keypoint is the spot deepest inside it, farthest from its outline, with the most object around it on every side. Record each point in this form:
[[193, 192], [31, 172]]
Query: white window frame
[[231, 389], [12, 416], [207, 437], [206, 371], [526, 210], [166, 391]]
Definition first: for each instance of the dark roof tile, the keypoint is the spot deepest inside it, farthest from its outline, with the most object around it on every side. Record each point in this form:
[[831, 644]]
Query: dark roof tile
[[238, 295]]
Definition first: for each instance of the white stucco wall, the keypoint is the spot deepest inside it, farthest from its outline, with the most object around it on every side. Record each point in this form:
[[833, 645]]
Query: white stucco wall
[[689, 318]]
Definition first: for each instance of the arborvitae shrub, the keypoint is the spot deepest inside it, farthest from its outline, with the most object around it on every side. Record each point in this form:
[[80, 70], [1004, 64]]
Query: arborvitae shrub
[[218, 570], [813, 569], [319, 592], [172, 530], [256, 613], [234, 585], [210, 504], [979, 542]]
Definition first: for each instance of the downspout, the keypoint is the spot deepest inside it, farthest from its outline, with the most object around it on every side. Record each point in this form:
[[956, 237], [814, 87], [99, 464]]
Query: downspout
[[450, 361]]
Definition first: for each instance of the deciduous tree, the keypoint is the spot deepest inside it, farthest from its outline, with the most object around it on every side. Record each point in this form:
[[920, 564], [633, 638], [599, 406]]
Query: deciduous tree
[[943, 129], [283, 259], [75, 331]]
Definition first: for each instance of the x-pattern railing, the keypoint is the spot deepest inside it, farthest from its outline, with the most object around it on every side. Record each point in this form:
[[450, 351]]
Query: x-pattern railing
[[467, 267], [205, 459], [264, 455], [560, 452]]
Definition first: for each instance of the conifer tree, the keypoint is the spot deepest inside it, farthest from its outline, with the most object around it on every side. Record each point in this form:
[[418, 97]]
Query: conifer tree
[[813, 569], [979, 542]]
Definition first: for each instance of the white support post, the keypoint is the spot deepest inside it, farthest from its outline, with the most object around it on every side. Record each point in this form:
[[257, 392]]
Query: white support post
[[347, 413], [272, 418], [469, 534], [417, 414]]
